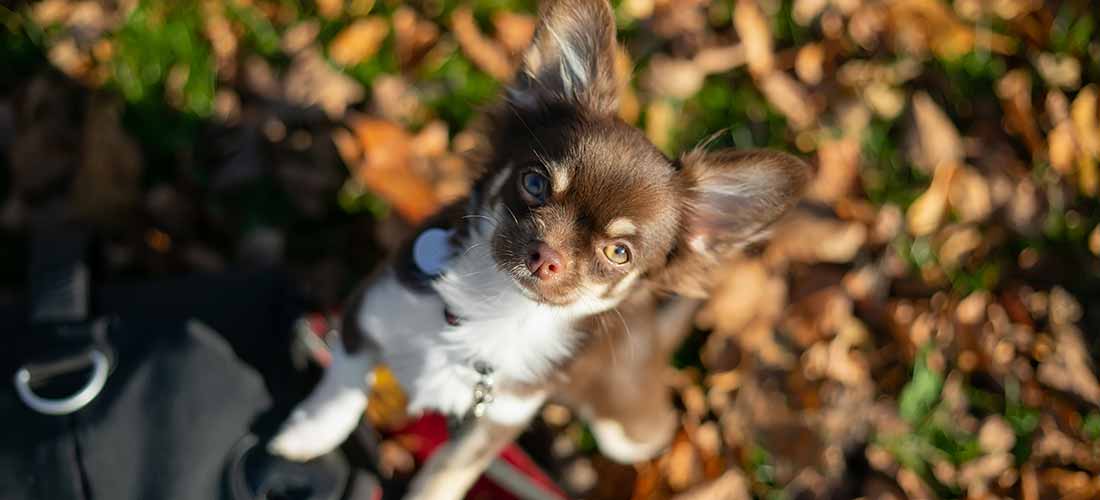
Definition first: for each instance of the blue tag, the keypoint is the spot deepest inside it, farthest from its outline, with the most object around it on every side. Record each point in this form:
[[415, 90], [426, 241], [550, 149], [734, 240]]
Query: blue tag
[[432, 250]]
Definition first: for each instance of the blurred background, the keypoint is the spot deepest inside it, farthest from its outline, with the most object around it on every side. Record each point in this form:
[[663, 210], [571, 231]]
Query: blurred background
[[924, 326]]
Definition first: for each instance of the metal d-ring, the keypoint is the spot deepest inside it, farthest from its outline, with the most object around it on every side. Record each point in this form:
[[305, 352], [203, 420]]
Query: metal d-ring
[[101, 366]]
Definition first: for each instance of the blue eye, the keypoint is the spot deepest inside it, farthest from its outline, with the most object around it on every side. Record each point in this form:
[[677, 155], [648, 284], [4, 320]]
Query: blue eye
[[535, 185]]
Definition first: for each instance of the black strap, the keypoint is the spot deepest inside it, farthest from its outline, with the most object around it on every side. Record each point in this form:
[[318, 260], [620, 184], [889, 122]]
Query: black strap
[[59, 276], [61, 312]]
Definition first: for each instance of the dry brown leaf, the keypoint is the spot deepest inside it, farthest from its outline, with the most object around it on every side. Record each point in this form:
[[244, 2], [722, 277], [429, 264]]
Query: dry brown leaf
[[958, 242], [938, 139], [976, 475], [805, 11], [683, 467], [513, 30], [659, 120], [413, 36], [330, 9], [1069, 367], [996, 435], [431, 141], [51, 12], [969, 195], [387, 169], [721, 59], [927, 211], [790, 98], [1083, 113], [731, 485], [838, 168], [629, 104], [1059, 70], [734, 302], [971, 310], [1014, 89], [359, 41], [808, 237], [310, 81], [886, 101], [387, 401], [486, 53], [756, 37], [300, 36], [394, 98], [675, 78], [809, 63], [1062, 148]]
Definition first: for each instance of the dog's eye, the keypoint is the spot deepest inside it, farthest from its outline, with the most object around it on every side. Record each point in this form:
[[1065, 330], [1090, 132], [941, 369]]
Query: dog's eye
[[617, 253], [536, 186]]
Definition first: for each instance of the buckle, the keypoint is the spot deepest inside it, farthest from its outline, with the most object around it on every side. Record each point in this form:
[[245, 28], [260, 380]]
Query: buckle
[[32, 375]]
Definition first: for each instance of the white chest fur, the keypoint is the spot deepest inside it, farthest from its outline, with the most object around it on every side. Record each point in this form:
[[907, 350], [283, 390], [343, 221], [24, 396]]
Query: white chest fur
[[519, 338]]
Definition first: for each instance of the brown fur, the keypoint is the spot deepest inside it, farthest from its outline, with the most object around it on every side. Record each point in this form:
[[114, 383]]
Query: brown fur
[[559, 120]]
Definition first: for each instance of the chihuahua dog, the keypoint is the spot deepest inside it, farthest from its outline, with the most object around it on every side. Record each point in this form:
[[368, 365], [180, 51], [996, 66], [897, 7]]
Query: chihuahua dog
[[551, 278]]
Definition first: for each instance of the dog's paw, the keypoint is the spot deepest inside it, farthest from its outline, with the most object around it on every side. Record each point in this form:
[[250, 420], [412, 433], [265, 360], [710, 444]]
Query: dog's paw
[[615, 443], [309, 434]]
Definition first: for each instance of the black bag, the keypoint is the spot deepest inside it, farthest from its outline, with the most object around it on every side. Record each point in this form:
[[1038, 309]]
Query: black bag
[[158, 390]]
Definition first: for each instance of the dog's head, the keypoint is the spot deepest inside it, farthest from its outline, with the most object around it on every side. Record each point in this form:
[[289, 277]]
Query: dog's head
[[586, 207]]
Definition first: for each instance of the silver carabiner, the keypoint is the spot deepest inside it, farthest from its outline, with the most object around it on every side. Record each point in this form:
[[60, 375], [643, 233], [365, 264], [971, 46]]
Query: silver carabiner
[[101, 367]]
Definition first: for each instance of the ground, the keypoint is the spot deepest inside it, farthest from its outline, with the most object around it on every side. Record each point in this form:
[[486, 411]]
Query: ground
[[923, 326]]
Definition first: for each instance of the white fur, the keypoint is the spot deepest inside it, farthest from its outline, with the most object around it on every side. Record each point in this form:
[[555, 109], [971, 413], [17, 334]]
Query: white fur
[[521, 339], [616, 445], [331, 412], [621, 226]]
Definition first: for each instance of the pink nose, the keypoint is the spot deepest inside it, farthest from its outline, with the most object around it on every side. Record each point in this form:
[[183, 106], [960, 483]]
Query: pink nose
[[544, 262]]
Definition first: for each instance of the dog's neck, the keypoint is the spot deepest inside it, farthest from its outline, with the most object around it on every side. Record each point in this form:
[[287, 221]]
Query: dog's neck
[[496, 322]]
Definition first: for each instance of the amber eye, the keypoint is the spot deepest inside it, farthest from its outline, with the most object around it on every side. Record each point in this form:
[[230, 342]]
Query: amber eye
[[617, 253], [536, 186]]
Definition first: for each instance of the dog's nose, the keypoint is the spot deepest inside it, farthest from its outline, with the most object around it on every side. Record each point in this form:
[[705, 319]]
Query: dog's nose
[[544, 262]]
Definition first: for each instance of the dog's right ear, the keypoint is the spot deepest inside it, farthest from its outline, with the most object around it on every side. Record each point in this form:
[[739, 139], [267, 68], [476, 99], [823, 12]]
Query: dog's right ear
[[572, 58]]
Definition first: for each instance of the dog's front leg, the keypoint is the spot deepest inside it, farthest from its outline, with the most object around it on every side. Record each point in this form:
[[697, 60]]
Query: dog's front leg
[[454, 468]]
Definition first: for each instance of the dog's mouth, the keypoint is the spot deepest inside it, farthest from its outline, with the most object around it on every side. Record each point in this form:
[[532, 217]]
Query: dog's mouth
[[536, 291]]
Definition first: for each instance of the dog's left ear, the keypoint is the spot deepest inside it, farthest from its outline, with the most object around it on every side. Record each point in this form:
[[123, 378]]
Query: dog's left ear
[[732, 198], [572, 58]]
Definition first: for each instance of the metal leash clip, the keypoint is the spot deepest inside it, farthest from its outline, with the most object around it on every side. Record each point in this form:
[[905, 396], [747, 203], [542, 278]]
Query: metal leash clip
[[33, 375], [483, 389]]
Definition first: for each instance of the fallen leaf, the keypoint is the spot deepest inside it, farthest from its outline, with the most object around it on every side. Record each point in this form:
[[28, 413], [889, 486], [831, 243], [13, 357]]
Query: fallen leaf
[[790, 98], [969, 195], [514, 30], [1069, 367], [838, 168], [330, 9], [359, 41], [413, 36], [1059, 70], [486, 53], [938, 139], [310, 81], [927, 211], [756, 36], [1014, 89], [809, 63], [808, 237], [675, 78], [720, 59], [732, 485], [996, 436], [387, 168], [300, 36]]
